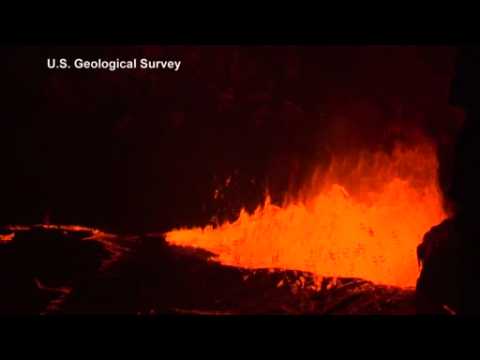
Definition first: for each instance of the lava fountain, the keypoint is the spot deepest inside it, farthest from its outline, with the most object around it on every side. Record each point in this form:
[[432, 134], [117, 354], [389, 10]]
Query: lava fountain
[[361, 217]]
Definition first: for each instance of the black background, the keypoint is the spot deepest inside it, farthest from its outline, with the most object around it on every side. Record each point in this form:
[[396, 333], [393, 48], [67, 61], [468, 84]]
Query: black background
[[144, 150]]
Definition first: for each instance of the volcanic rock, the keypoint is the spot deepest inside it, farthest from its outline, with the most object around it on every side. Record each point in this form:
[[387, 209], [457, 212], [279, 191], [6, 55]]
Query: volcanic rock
[[438, 289]]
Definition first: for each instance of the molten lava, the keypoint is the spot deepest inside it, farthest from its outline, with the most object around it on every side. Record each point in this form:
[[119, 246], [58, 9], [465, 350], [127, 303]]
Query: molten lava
[[363, 217]]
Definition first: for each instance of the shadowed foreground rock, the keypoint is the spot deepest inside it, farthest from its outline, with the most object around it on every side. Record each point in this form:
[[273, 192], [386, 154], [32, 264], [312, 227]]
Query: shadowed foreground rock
[[67, 270], [438, 287]]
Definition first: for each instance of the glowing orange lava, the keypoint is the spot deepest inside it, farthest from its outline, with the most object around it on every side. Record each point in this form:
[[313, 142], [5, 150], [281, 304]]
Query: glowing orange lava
[[363, 217]]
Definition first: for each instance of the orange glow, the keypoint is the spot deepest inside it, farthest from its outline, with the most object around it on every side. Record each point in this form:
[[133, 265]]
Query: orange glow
[[6, 237], [363, 217]]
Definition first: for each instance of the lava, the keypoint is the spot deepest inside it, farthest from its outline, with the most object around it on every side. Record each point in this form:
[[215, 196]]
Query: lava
[[363, 217]]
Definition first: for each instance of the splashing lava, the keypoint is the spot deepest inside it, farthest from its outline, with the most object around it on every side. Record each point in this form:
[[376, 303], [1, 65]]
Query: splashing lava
[[363, 217]]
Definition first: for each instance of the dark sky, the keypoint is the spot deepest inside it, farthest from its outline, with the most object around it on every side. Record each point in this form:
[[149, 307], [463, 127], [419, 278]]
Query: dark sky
[[136, 150]]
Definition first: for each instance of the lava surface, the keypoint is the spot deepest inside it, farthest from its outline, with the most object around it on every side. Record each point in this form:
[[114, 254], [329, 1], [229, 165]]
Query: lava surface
[[46, 269]]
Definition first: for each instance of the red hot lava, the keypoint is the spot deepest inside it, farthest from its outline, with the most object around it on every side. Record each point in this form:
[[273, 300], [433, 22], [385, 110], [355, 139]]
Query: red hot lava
[[363, 217]]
